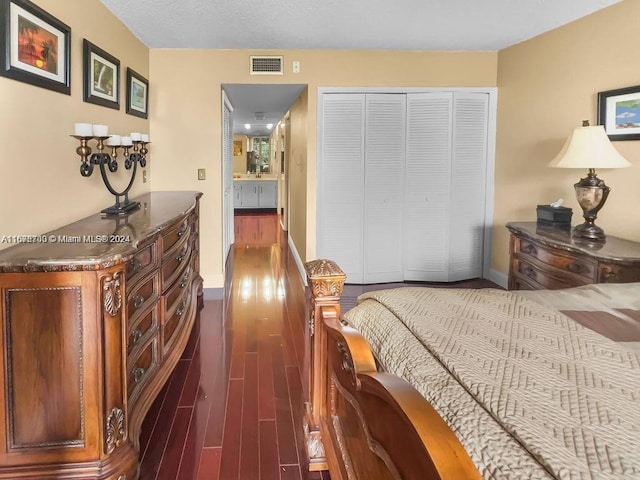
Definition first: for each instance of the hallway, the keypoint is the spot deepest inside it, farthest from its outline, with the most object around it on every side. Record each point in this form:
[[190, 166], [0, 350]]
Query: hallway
[[232, 408]]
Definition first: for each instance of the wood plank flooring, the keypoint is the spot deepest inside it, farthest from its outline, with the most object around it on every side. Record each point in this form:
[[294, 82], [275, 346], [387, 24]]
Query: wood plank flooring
[[232, 409]]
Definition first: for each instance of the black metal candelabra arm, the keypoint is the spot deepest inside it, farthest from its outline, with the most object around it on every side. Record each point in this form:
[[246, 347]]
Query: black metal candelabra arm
[[105, 161]]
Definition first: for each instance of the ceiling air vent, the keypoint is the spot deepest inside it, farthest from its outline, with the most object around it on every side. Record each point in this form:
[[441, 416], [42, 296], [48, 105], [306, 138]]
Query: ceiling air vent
[[266, 65]]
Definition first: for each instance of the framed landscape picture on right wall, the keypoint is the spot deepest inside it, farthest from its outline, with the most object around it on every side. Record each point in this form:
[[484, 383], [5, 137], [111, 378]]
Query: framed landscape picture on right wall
[[619, 113]]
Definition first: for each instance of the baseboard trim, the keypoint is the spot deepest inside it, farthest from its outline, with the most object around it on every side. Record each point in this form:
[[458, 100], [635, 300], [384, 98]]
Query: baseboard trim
[[298, 260], [212, 293], [499, 278]]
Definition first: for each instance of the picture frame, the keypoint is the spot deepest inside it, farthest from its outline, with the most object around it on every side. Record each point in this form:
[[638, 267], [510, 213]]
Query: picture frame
[[619, 113], [101, 84], [137, 94], [237, 148], [35, 47]]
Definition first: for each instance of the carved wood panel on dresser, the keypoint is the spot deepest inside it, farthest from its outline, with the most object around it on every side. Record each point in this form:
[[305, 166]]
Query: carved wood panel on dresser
[[548, 258], [95, 316]]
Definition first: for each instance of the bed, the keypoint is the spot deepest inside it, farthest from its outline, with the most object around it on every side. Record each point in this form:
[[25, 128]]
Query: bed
[[469, 384]]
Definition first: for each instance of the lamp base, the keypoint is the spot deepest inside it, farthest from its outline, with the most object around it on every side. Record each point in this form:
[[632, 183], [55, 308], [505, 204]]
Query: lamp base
[[121, 209], [589, 232]]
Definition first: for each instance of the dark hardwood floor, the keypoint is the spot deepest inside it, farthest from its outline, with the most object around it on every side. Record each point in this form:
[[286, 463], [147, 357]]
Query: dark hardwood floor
[[232, 409]]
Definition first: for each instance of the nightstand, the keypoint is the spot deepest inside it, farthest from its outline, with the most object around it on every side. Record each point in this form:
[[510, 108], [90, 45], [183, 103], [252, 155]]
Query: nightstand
[[548, 258]]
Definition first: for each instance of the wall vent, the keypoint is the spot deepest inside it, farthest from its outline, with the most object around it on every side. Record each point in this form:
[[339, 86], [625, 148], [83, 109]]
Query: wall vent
[[266, 65]]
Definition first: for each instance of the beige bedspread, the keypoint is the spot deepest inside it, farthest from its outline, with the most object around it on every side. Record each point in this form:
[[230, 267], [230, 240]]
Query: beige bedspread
[[529, 392]]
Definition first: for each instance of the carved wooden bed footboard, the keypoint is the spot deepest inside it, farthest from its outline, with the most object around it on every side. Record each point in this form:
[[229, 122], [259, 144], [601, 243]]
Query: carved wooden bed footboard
[[361, 423]]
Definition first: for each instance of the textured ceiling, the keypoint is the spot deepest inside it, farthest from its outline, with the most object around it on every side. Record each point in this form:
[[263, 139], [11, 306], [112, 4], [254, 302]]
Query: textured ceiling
[[338, 24]]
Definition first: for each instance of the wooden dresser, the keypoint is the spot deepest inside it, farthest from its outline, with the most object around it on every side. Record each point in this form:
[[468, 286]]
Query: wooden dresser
[[95, 316], [548, 258]]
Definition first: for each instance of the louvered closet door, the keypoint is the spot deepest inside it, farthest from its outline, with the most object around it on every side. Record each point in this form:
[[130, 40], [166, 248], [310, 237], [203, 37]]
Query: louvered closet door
[[385, 121], [341, 183], [428, 179], [468, 184]]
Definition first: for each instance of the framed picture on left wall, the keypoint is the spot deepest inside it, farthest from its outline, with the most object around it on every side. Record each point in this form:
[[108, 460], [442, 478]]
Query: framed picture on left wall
[[101, 76], [34, 46]]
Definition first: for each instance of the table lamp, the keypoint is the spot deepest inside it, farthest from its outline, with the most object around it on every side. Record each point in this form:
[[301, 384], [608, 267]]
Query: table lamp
[[589, 147]]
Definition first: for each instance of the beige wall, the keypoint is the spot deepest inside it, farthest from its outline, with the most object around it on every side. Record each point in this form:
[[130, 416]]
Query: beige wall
[[299, 173], [39, 169], [186, 116], [546, 87]]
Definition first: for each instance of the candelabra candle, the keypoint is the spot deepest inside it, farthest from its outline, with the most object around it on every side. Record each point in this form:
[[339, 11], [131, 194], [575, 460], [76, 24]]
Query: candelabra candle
[[108, 161]]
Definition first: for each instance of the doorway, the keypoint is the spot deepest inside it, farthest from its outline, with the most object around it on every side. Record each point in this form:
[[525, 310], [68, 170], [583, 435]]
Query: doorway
[[257, 111]]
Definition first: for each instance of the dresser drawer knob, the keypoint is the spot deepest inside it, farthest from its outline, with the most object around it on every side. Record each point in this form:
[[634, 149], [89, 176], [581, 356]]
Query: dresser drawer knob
[[528, 271], [138, 300], [136, 265], [576, 268], [136, 335], [181, 309], [529, 249], [182, 232], [138, 373], [185, 280], [609, 273], [182, 255]]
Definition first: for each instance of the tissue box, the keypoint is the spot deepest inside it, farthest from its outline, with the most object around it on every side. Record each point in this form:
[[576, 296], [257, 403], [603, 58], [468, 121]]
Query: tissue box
[[554, 216]]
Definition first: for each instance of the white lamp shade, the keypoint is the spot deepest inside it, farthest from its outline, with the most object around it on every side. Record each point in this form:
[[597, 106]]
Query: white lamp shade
[[589, 147]]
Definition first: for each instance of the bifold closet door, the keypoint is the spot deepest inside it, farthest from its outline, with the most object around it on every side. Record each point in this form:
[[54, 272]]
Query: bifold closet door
[[428, 190], [445, 185], [341, 183], [385, 122], [468, 184], [402, 185]]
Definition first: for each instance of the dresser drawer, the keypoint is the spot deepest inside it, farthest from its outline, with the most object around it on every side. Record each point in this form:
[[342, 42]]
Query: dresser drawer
[[175, 234], [549, 278], [177, 290], [142, 367], [572, 265], [174, 266], [174, 318], [145, 326], [613, 273], [142, 296], [142, 262]]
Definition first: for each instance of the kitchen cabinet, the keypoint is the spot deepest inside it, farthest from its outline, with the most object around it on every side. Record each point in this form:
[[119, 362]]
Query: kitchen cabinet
[[255, 193]]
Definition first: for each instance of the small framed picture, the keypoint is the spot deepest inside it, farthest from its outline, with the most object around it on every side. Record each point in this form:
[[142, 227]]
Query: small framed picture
[[137, 94], [619, 113], [237, 148], [101, 76], [34, 46]]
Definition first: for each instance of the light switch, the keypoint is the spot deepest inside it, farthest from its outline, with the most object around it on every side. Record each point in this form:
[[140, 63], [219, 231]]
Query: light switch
[[202, 174], [296, 67], [144, 176]]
